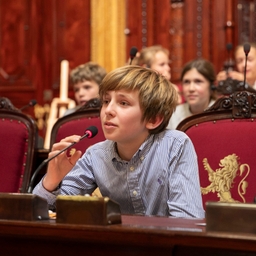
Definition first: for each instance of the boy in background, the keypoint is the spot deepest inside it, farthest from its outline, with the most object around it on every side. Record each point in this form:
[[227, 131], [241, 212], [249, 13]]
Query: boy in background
[[86, 79]]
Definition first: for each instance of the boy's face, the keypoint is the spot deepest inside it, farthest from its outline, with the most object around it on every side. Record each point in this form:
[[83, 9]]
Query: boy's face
[[85, 91], [161, 64], [121, 118]]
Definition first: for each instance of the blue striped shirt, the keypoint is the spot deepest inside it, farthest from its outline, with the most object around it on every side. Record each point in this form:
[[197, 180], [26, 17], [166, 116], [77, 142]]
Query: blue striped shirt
[[161, 178]]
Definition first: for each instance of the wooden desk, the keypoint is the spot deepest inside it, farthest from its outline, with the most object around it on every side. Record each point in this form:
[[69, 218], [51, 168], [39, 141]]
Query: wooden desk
[[135, 236]]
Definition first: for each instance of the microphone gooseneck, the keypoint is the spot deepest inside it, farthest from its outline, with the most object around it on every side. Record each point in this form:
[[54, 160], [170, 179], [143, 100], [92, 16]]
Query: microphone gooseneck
[[90, 132], [133, 53], [30, 104], [247, 48]]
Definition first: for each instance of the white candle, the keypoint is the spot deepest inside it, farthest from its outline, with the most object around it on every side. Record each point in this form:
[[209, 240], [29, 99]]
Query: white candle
[[64, 80]]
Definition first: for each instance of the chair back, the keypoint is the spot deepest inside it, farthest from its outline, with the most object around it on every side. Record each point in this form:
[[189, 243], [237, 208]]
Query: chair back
[[224, 137], [17, 146], [76, 124]]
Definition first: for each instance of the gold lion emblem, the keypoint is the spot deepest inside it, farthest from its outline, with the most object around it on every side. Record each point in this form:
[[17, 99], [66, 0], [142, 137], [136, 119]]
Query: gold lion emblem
[[223, 178], [72, 151]]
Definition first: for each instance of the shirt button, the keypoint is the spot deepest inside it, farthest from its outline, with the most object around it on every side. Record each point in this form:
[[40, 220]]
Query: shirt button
[[134, 193], [131, 168], [142, 158]]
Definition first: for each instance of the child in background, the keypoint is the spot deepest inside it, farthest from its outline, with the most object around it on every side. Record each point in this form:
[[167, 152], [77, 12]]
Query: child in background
[[156, 57], [238, 74], [197, 78], [86, 79], [145, 168]]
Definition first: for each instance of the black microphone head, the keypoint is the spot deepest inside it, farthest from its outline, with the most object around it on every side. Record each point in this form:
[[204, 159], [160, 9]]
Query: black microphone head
[[32, 103], [91, 131], [229, 46], [133, 52], [247, 48]]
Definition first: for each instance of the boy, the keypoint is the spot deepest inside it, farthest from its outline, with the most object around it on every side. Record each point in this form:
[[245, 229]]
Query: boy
[[145, 168], [86, 79]]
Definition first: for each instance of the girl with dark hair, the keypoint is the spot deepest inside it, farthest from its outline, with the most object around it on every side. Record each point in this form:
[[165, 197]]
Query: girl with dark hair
[[197, 77]]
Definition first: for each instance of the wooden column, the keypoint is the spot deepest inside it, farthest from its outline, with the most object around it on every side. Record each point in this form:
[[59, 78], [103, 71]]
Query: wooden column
[[107, 33]]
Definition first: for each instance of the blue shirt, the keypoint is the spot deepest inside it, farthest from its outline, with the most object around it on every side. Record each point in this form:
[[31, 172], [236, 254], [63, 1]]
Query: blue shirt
[[161, 178]]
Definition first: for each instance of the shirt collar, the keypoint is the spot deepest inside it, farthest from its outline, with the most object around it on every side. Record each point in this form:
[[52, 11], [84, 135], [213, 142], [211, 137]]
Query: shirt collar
[[140, 154]]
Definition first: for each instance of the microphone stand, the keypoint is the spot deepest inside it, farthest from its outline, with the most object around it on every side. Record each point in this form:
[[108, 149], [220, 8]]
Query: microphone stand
[[247, 48], [246, 55], [133, 53], [46, 161]]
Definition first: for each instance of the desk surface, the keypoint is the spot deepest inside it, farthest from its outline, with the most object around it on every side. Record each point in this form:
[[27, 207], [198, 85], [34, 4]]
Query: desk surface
[[137, 235]]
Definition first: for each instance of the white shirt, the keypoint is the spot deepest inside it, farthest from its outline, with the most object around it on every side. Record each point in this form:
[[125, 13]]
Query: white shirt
[[182, 111]]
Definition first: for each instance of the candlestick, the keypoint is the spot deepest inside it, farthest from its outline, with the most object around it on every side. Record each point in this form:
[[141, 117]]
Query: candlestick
[[64, 80]]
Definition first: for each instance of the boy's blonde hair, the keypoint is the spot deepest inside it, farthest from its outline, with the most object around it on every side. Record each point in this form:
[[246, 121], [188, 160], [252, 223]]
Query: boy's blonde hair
[[157, 96], [89, 71]]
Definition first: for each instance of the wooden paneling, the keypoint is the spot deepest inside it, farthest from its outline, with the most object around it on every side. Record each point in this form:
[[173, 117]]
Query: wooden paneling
[[133, 24], [16, 56], [218, 35], [176, 42], [36, 35], [148, 23], [71, 36], [161, 25]]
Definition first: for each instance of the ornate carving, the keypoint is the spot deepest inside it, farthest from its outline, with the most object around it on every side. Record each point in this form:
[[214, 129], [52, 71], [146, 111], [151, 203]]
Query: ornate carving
[[230, 85], [93, 103], [6, 104], [241, 103], [144, 24], [246, 16], [199, 26], [221, 104], [176, 43]]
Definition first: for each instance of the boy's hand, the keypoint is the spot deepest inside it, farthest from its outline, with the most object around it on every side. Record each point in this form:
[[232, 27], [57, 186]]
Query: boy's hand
[[61, 165]]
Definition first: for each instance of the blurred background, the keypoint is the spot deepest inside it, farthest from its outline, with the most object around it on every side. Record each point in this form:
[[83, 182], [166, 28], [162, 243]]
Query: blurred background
[[36, 35]]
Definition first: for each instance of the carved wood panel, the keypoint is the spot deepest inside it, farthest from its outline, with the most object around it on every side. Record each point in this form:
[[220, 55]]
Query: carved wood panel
[[35, 37]]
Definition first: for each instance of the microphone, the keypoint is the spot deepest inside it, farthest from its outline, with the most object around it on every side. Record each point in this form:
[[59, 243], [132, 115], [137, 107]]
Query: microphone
[[90, 132], [247, 48], [30, 104], [229, 64], [229, 46], [133, 53]]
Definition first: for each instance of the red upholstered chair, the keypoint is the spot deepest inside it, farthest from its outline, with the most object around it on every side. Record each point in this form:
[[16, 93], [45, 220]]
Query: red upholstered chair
[[76, 123], [224, 137], [17, 145]]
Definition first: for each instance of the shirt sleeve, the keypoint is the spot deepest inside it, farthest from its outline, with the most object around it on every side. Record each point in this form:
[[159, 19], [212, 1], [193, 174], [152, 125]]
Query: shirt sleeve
[[50, 197], [185, 198]]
